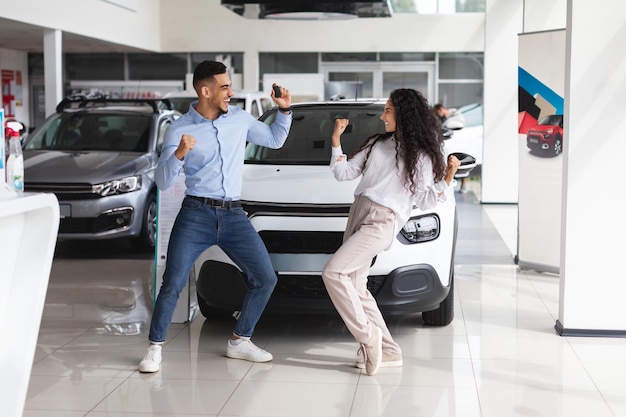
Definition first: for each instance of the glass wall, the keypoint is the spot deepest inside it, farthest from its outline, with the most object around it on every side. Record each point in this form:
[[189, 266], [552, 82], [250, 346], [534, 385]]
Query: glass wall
[[94, 66], [232, 60], [157, 66], [437, 6], [457, 81], [460, 78]]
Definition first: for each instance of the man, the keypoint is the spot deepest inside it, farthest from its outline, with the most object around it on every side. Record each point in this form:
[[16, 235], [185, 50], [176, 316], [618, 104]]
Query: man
[[207, 144], [451, 119]]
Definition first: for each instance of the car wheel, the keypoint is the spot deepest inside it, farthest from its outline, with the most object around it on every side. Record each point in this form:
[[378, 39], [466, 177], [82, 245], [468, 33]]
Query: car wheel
[[443, 315], [210, 312], [558, 146], [146, 240]]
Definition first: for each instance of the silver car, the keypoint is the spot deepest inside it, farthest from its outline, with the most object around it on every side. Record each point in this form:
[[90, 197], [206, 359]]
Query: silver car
[[98, 156]]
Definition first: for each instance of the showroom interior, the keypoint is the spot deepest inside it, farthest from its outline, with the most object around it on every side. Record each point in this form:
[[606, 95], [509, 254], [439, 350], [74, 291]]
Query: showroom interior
[[539, 326]]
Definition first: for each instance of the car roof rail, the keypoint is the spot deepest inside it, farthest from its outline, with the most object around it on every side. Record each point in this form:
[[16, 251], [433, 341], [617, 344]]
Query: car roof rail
[[83, 101]]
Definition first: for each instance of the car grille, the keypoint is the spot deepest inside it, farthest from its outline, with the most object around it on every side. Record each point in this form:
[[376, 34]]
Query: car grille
[[64, 191], [307, 242], [313, 286], [337, 210], [77, 225], [108, 221], [301, 242], [279, 241]]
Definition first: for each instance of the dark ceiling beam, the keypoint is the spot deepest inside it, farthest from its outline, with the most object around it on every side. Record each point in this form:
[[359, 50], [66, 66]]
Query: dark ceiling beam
[[299, 9]]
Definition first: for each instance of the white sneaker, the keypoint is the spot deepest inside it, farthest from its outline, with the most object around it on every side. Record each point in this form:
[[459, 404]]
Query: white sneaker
[[152, 361], [248, 351]]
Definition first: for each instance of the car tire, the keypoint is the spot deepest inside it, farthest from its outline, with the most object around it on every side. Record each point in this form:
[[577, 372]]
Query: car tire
[[146, 240], [558, 145], [210, 312], [443, 315]]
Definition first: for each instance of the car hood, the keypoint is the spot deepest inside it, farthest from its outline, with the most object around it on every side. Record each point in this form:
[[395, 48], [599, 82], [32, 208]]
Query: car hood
[[82, 166], [295, 184], [543, 128]]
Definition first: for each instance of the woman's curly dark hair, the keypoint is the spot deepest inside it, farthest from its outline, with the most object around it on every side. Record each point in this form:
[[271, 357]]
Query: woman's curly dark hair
[[418, 130]]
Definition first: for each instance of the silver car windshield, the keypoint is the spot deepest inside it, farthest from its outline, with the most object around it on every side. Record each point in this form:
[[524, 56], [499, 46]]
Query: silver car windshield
[[93, 132]]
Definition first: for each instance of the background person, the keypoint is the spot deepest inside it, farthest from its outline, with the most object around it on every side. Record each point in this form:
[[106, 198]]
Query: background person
[[207, 144], [451, 119], [399, 168]]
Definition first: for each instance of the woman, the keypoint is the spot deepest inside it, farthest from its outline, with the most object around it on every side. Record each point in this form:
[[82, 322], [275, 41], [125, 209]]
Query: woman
[[400, 168]]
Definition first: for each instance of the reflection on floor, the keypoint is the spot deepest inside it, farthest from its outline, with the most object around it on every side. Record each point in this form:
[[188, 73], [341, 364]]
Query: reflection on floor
[[499, 358]]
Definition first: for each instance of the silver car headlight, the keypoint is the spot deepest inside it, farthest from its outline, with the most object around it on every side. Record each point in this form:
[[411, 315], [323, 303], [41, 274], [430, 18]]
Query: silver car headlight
[[124, 185], [421, 228]]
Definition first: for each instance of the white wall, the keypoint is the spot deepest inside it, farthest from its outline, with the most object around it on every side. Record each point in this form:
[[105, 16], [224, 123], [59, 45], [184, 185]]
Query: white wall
[[540, 15], [211, 27], [18, 61], [97, 19]]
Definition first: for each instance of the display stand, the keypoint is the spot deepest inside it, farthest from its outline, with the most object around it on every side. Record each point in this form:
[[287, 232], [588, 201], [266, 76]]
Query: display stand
[[168, 205], [29, 226]]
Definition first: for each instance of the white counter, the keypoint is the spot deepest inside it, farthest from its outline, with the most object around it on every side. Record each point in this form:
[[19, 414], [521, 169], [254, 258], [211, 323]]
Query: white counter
[[29, 225]]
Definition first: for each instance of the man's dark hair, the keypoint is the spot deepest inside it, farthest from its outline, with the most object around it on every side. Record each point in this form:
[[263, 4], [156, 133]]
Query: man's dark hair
[[206, 70], [438, 106]]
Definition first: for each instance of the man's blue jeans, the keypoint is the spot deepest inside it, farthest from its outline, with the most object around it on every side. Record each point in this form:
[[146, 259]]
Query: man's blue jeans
[[197, 227]]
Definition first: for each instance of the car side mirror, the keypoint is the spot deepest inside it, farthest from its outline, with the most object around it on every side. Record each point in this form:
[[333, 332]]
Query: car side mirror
[[468, 163]]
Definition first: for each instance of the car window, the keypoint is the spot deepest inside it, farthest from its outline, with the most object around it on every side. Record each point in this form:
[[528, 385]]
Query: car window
[[46, 137], [238, 102], [552, 120], [473, 114], [96, 131], [165, 123], [181, 103], [266, 104], [254, 109], [309, 140]]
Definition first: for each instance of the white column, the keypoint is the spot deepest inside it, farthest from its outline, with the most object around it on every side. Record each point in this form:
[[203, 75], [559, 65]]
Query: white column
[[251, 75], [53, 68], [593, 281], [503, 21]]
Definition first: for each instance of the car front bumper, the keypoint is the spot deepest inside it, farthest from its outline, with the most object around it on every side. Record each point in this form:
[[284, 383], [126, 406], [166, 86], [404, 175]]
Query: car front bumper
[[407, 289], [102, 218]]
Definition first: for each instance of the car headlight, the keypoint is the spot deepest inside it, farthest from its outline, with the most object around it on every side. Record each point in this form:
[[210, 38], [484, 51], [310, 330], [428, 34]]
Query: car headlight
[[124, 185], [421, 229]]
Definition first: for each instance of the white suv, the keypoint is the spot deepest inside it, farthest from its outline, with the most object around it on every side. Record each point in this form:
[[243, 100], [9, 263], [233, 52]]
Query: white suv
[[300, 211], [254, 102]]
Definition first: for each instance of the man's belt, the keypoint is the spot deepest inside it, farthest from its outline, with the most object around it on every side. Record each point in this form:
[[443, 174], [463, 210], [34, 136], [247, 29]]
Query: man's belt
[[213, 202]]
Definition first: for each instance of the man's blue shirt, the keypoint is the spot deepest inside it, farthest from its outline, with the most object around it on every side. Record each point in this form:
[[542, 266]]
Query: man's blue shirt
[[214, 167]]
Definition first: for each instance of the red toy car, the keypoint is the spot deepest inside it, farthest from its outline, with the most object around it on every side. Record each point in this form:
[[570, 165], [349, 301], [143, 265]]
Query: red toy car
[[546, 138]]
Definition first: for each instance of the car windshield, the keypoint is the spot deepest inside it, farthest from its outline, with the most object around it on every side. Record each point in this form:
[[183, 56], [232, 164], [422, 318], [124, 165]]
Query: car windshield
[[553, 120], [473, 114], [93, 131], [309, 140]]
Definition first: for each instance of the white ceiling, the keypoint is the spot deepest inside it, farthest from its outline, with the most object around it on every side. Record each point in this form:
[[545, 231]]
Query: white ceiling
[[29, 38], [24, 37]]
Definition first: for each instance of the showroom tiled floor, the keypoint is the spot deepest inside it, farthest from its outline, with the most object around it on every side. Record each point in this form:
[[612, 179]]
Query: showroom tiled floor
[[500, 357]]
